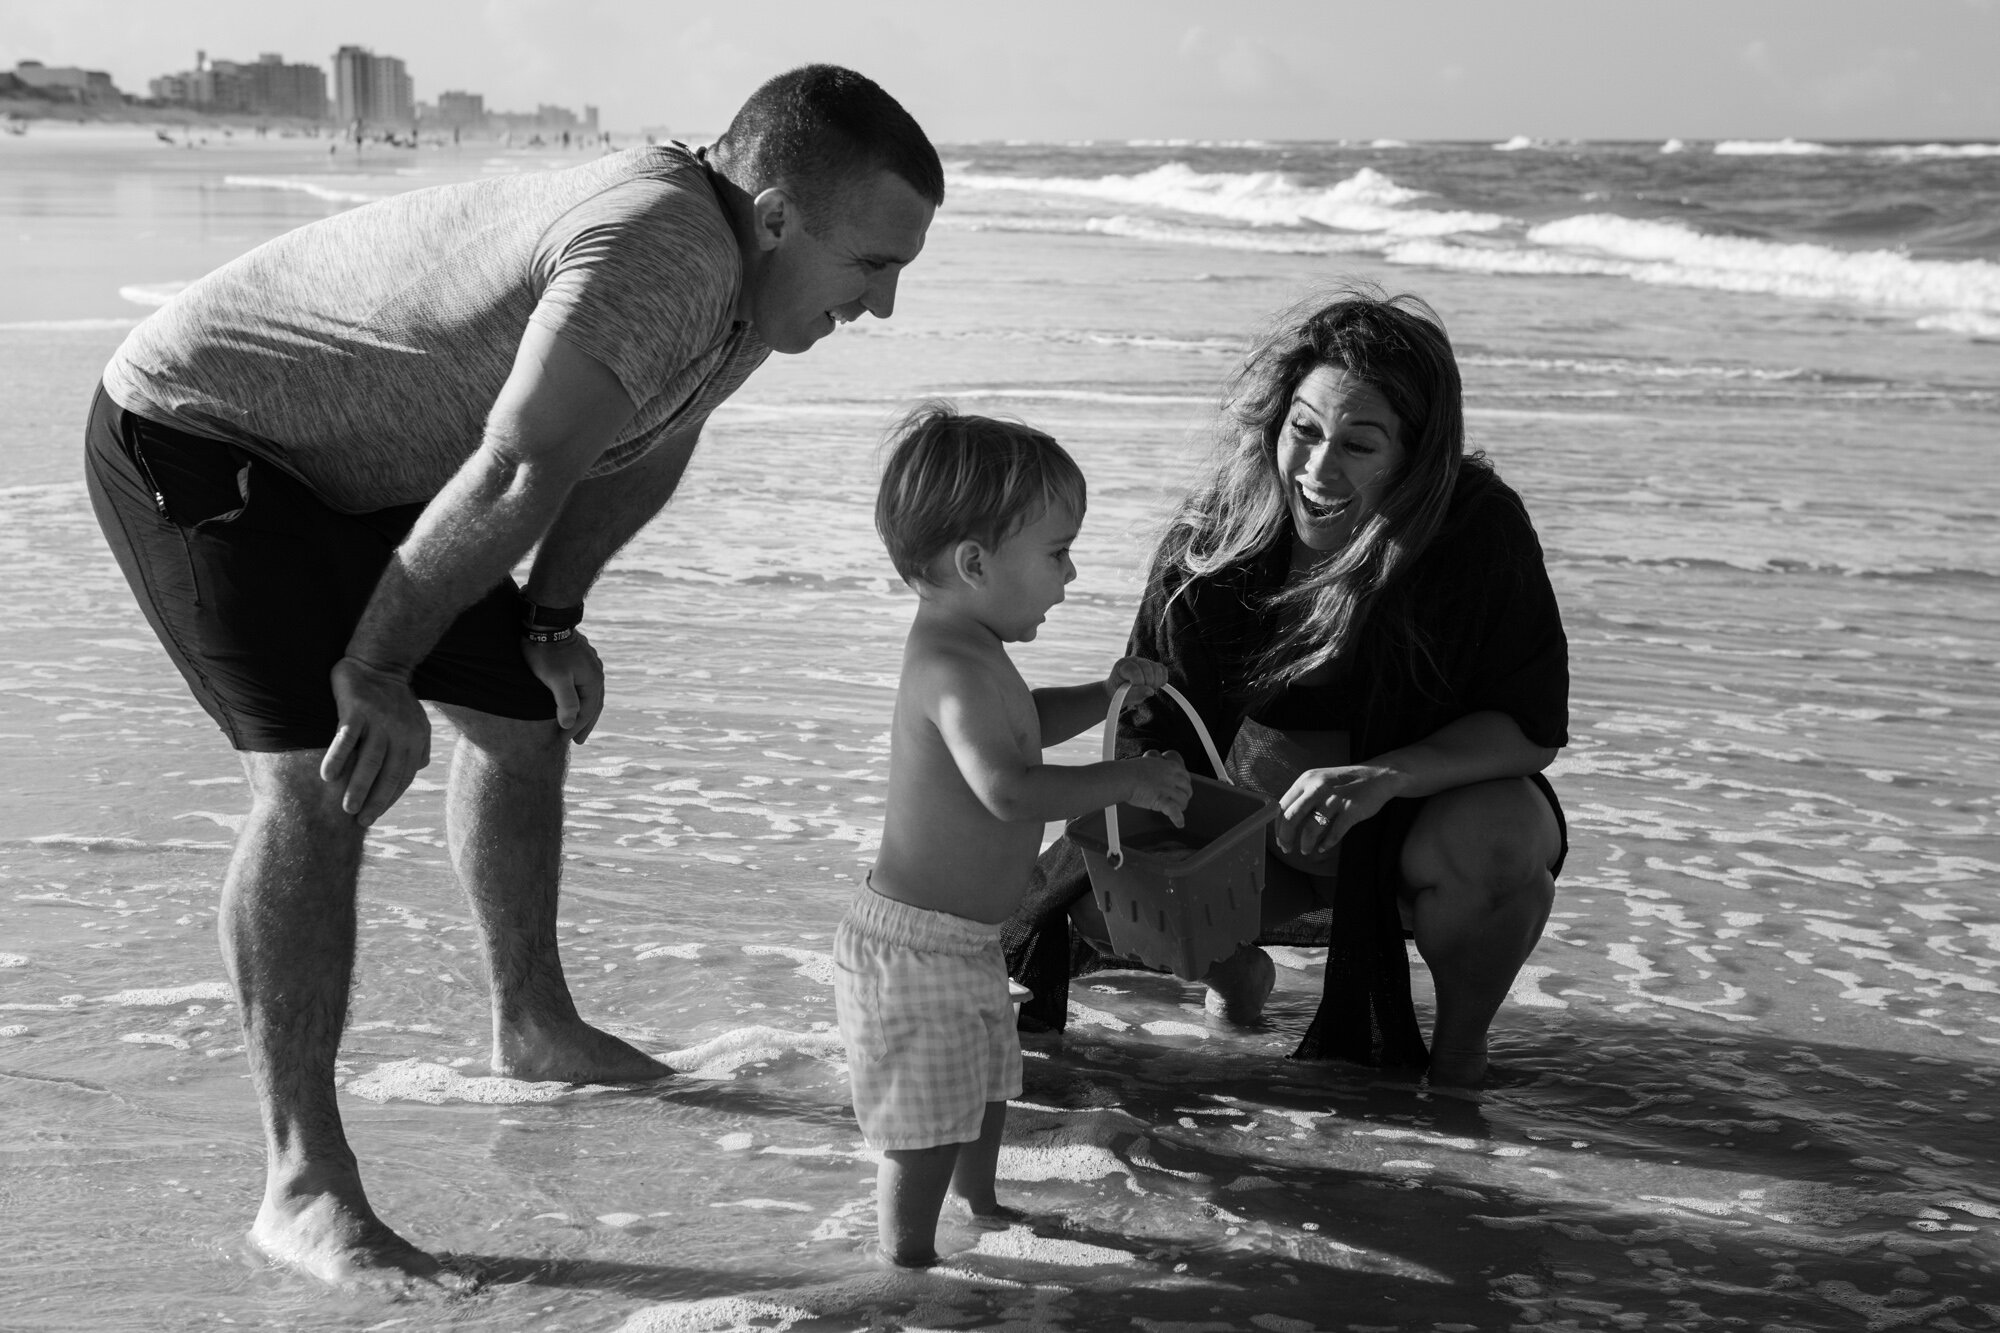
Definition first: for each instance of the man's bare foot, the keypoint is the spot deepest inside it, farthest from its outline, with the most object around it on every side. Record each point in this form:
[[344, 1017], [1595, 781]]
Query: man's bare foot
[[1239, 985], [1462, 1068], [336, 1238], [572, 1052]]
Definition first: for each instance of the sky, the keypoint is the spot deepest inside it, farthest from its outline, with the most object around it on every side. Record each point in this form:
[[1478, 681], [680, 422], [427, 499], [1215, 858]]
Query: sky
[[1913, 70]]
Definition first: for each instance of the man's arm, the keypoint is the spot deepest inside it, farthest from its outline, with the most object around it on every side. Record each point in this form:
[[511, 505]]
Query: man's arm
[[600, 516], [558, 411]]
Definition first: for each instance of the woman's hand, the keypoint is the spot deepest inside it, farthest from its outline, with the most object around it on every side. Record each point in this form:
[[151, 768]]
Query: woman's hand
[[1324, 803]]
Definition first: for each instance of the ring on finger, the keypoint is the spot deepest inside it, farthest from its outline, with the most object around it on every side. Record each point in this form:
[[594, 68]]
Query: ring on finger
[[1319, 818]]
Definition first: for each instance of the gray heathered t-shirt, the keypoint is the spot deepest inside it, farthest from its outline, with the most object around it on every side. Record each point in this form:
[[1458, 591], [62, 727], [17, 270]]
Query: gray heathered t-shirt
[[362, 353]]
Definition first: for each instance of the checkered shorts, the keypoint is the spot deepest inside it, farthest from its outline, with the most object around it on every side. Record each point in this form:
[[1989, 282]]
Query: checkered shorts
[[929, 1026]]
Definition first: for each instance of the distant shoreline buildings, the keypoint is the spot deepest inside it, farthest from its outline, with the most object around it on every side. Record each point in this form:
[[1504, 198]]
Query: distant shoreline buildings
[[368, 94], [60, 83], [269, 87]]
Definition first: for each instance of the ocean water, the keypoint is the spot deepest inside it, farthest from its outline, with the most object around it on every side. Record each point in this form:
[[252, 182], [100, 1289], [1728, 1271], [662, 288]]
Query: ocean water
[[1750, 393]]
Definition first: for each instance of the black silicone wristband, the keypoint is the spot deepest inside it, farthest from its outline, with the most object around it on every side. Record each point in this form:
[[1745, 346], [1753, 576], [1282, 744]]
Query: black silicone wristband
[[550, 617]]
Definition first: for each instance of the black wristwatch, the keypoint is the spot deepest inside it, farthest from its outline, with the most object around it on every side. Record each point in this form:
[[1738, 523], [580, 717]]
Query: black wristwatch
[[549, 624]]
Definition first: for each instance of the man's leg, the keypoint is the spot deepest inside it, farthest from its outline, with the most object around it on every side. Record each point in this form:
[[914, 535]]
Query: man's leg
[[287, 927], [503, 818], [1477, 865]]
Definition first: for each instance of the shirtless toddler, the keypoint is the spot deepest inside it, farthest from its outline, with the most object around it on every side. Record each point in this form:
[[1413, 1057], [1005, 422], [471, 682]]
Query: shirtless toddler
[[978, 516]]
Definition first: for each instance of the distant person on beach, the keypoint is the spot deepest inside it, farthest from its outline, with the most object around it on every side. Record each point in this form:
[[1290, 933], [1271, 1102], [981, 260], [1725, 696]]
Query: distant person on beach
[[1359, 612], [317, 467], [978, 516]]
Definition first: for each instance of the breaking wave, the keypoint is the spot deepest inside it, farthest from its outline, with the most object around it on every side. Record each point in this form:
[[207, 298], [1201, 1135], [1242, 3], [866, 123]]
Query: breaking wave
[[331, 194], [1271, 212], [1367, 201]]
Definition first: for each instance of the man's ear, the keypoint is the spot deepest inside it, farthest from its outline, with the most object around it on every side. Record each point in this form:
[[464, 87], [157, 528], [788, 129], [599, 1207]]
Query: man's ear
[[773, 214], [968, 561]]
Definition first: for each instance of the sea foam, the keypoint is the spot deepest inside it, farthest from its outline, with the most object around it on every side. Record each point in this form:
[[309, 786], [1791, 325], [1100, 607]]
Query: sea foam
[[66, 325], [1681, 256], [1367, 201], [151, 293], [1770, 148], [329, 193], [1904, 150]]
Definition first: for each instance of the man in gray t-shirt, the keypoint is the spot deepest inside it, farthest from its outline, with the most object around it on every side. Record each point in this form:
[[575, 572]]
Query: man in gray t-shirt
[[317, 467]]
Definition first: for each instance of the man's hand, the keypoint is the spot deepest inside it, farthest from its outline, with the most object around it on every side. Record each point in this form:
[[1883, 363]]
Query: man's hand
[[384, 738], [1161, 782], [575, 676], [1143, 674], [1324, 803]]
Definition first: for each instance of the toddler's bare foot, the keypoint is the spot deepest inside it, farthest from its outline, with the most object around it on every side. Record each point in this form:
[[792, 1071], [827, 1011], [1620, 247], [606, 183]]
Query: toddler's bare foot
[[990, 1215], [906, 1257], [1239, 985]]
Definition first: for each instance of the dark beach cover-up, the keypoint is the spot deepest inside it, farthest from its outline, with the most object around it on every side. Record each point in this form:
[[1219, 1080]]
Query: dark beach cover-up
[[1487, 619]]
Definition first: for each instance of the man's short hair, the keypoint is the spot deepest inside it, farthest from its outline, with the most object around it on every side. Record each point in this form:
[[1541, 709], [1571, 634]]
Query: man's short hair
[[950, 478], [819, 129]]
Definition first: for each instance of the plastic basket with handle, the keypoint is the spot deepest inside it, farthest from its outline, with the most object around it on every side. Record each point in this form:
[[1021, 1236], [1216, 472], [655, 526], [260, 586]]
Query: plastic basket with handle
[[1179, 898]]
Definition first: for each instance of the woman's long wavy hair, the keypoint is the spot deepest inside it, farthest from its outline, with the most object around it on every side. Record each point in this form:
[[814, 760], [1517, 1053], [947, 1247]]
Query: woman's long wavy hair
[[1397, 347]]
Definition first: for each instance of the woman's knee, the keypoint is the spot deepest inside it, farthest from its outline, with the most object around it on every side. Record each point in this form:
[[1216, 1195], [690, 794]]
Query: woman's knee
[[1498, 837]]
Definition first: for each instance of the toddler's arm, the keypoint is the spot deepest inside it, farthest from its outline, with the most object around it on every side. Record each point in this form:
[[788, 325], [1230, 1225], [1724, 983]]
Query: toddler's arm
[[1071, 710], [1011, 781]]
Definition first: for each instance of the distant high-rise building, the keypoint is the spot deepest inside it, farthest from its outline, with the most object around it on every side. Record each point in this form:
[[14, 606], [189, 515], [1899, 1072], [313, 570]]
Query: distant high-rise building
[[269, 87], [278, 89], [461, 110], [372, 89]]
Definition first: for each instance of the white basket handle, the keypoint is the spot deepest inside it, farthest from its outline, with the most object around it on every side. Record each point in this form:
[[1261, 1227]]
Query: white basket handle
[[1114, 852]]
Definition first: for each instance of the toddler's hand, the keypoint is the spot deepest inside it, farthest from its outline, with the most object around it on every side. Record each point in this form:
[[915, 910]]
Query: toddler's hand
[[1160, 782], [1144, 675]]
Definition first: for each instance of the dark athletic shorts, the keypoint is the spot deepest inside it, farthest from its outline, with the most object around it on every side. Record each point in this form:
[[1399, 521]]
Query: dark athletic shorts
[[254, 585]]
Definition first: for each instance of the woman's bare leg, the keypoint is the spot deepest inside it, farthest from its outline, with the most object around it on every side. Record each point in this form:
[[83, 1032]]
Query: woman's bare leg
[[1479, 891]]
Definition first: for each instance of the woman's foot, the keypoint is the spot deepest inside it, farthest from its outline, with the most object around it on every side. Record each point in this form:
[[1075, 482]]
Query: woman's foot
[[1239, 985], [1460, 1068]]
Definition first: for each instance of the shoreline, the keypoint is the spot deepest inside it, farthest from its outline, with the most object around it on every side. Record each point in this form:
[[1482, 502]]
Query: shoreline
[[38, 113], [32, 115]]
